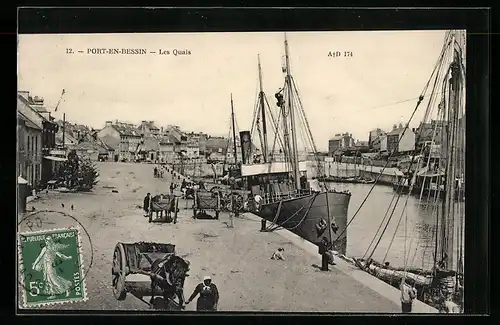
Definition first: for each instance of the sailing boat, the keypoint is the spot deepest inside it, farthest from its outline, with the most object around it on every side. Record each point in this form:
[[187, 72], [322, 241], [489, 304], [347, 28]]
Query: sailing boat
[[289, 199], [441, 284]]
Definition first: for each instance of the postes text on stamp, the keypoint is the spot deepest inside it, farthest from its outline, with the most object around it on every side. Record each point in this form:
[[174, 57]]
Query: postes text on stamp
[[51, 267]]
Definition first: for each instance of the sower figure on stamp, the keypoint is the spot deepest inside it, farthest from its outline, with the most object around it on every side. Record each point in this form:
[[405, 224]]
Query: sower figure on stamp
[[209, 295], [53, 284]]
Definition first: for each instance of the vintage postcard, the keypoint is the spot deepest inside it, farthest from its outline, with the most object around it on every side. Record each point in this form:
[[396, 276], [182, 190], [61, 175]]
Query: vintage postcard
[[263, 171], [51, 267]]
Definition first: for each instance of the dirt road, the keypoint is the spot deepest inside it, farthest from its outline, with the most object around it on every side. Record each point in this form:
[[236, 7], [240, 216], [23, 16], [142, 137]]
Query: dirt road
[[238, 259]]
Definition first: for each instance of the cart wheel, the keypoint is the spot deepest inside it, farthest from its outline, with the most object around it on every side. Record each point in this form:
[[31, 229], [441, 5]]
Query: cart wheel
[[118, 272]]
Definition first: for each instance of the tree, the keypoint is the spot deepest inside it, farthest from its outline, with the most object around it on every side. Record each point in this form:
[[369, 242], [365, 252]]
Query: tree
[[78, 173]]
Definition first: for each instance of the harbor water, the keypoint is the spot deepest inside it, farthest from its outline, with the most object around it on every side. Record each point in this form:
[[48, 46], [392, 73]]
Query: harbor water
[[417, 238], [419, 216]]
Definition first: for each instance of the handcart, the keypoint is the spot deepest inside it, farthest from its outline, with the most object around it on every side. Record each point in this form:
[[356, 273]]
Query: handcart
[[149, 269], [165, 204]]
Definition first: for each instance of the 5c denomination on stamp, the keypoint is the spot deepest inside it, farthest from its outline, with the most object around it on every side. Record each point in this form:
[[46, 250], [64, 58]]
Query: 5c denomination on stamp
[[51, 266]]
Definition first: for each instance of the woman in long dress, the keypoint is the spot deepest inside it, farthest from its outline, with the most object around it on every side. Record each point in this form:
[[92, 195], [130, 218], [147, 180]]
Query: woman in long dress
[[53, 284]]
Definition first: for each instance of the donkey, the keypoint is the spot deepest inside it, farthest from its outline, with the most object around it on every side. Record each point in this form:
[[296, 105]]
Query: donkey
[[173, 269]]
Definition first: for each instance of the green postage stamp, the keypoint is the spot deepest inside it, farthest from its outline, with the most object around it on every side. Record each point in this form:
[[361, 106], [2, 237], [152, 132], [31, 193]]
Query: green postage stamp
[[51, 267]]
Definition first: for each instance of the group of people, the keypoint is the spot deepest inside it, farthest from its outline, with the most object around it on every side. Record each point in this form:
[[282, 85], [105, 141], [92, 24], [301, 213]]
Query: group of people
[[148, 201], [158, 171]]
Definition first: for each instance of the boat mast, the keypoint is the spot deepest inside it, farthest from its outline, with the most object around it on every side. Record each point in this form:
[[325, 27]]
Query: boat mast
[[448, 217], [295, 163], [234, 132], [263, 109]]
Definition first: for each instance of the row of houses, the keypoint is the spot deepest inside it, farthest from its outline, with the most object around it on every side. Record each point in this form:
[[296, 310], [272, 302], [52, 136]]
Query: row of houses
[[400, 140], [148, 142], [36, 139]]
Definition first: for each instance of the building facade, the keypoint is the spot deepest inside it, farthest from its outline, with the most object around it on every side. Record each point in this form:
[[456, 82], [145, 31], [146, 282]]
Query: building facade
[[342, 141], [29, 143], [372, 137], [49, 130], [149, 128], [124, 136], [400, 140], [379, 144]]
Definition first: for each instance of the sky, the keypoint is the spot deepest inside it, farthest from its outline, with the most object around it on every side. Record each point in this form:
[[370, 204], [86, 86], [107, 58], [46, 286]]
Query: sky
[[375, 88]]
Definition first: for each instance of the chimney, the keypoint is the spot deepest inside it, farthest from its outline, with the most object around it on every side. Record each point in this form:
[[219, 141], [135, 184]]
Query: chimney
[[394, 127], [161, 129], [109, 123], [400, 125]]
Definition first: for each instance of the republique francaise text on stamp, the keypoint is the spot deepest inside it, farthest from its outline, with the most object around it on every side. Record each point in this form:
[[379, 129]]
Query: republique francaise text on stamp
[[51, 267]]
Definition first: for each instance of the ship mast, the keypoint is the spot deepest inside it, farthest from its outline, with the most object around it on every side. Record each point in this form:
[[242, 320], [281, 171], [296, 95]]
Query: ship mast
[[295, 158], [262, 107], [234, 132], [448, 222]]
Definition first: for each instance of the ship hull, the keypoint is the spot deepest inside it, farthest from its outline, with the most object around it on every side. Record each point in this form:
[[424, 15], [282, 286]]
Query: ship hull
[[302, 216]]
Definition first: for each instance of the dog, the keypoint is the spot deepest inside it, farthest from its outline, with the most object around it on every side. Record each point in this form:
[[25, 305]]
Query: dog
[[278, 254]]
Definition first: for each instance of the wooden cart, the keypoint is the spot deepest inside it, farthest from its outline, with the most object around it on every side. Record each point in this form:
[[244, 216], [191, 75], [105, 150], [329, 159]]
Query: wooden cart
[[168, 205], [131, 272], [205, 200]]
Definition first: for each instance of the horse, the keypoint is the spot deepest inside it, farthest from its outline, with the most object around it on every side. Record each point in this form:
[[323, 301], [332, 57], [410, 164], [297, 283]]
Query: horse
[[173, 271]]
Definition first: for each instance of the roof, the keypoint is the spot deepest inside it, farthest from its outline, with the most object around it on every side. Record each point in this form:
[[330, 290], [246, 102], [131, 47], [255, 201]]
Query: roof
[[126, 129], [104, 145], [111, 142], [398, 131], [335, 138], [150, 124], [165, 140], [88, 145], [68, 137], [27, 122], [30, 110]]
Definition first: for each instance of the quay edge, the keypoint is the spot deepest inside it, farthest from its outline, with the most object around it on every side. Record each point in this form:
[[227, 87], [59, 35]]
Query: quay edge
[[366, 279], [360, 276]]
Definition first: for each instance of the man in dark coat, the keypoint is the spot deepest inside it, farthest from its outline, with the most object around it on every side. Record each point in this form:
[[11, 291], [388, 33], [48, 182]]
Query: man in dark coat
[[146, 203], [323, 247], [209, 295]]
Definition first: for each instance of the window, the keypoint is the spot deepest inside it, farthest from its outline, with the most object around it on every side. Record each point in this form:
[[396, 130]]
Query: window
[[29, 138], [36, 146]]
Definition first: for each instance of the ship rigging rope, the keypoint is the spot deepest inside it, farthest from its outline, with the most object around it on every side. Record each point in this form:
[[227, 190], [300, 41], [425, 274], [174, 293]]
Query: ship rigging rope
[[275, 126], [429, 108], [319, 166], [383, 220], [421, 97], [311, 201]]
